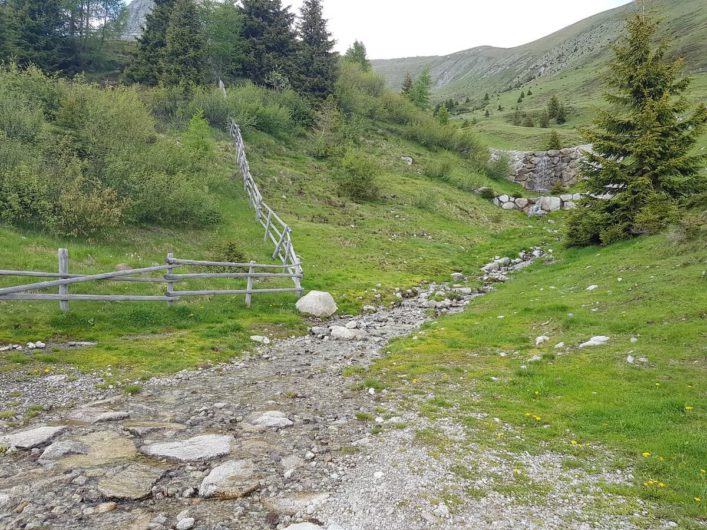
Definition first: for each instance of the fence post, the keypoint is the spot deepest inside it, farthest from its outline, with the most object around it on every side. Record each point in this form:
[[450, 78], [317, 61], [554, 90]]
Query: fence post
[[64, 271], [249, 287], [285, 231], [267, 226], [170, 271]]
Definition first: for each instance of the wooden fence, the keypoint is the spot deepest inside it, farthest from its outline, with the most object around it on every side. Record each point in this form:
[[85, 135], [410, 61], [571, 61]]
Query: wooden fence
[[250, 272]]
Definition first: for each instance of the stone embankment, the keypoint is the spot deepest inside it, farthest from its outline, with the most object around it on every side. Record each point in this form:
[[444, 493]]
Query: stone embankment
[[538, 205], [541, 170]]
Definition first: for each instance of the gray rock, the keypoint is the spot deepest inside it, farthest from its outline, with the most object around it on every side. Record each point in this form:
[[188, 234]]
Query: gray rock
[[198, 448], [271, 418], [260, 339], [31, 438], [133, 482], [595, 341], [90, 415], [295, 503], [230, 480], [521, 203], [185, 524], [304, 526], [458, 277], [343, 333], [62, 448], [549, 204], [318, 304], [509, 206]]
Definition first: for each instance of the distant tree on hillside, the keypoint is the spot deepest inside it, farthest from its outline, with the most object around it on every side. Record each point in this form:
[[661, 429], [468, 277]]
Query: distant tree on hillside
[[146, 64], [269, 42], [487, 114], [357, 54], [561, 116], [443, 114], [553, 141], [407, 84], [543, 119], [553, 106], [184, 57], [642, 145], [316, 62], [421, 88]]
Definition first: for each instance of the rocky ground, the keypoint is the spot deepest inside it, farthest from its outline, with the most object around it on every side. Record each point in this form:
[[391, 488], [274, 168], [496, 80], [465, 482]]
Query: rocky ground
[[280, 439]]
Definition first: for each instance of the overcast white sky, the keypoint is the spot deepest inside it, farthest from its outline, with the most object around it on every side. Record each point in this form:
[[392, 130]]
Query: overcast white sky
[[406, 28]]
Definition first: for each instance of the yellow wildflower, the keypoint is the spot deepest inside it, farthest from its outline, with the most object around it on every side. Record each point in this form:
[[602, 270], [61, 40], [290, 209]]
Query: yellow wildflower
[[517, 471], [688, 407], [574, 442], [646, 454], [661, 484], [698, 499]]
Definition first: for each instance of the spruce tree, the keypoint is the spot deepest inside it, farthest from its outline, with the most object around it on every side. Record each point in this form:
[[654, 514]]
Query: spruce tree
[[37, 29], [407, 84], [316, 62], [224, 47], [146, 64], [443, 114], [553, 107], [269, 43], [357, 54], [184, 57], [642, 146], [5, 40], [420, 91], [561, 115]]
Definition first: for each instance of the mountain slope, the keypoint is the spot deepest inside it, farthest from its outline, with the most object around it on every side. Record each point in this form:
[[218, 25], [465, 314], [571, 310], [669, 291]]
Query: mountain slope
[[489, 69]]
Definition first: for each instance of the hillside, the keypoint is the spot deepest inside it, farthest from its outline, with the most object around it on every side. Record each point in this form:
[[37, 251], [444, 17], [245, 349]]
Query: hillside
[[583, 46]]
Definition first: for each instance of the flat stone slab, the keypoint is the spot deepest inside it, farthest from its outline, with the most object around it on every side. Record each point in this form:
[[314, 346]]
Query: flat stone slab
[[141, 428], [231, 480], [91, 416], [104, 447], [295, 503], [61, 449], [32, 438], [271, 418], [132, 483], [203, 447]]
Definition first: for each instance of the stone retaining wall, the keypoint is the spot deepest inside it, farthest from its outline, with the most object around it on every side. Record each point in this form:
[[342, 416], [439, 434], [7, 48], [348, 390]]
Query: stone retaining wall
[[538, 205], [541, 170]]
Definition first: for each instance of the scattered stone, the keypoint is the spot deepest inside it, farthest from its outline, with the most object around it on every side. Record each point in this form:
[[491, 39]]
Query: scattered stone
[[634, 340], [595, 341], [186, 524], [260, 339], [132, 483], [318, 304], [559, 345], [407, 159], [592, 287], [441, 511], [541, 340], [31, 438], [62, 448], [203, 447], [343, 333], [295, 503], [231, 480], [90, 416], [104, 447], [304, 526], [630, 359], [458, 277], [272, 418], [106, 507]]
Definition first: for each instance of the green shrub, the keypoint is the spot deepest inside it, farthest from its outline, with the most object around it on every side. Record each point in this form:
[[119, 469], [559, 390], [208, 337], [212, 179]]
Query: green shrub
[[498, 168], [214, 106], [439, 169], [87, 209], [26, 198], [19, 119], [359, 91], [197, 138], [358, 181]]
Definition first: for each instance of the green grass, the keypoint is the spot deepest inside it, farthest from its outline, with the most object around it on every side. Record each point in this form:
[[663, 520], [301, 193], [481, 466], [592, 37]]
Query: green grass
[[583, 400], [347, 249]]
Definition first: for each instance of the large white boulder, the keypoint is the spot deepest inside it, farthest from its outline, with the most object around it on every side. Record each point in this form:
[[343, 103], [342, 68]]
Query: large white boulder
[[318, 304]]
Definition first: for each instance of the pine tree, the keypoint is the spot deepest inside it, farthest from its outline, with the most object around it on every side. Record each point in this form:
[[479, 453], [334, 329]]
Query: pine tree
[[224, 47], [642, 145], [561, 116], [184, 57], [544, 119], [552, 107], [317, 63], [487, 114], [5, 39], [553, 141], [357, 54], [486, 97], [421, 88], [443, 115], [407, 84], [146, 64], [269, 42], [37, 29]]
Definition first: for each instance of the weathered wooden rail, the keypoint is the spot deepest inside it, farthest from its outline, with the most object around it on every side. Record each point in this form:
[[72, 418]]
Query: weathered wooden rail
[[251, 273]]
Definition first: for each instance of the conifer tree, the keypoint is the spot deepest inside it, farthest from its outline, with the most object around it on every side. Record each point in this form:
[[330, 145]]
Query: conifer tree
[[407, 84], [443, 114], [420, 91], [38, 33], [553, 142], [642, 146], [5, 40], [561, 116], [146, 64], [184, 57], [316, 62], [553, 106], [357, 54], [224, 47], [269, 44]]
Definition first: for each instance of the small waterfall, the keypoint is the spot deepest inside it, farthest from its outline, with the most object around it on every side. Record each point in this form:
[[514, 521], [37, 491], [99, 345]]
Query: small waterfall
[[541, 177]]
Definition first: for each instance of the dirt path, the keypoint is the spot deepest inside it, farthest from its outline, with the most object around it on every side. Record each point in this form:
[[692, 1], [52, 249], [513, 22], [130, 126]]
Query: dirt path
[[277, 440]]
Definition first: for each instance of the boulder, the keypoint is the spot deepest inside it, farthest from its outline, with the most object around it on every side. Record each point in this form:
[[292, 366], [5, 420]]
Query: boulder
[[550, 204], [89, 415], [509, 206], [271, 418], [318, 304], [343, 333], [595, 341], [63, 448], [521, 203], [458, 277], [131, 483]]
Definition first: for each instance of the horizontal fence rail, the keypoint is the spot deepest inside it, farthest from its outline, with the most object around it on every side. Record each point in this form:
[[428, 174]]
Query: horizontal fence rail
[[252, 272]]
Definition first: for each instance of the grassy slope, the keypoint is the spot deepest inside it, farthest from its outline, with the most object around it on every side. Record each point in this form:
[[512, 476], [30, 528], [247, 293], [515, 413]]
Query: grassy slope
[[420, 229], [653, 416], [578, 83]]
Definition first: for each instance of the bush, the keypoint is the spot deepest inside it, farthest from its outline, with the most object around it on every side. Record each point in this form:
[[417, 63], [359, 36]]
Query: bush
[[360, 92], [498, 168], [439, 169], [26, 198], [87, 209], [358, 181], [197, 138], [553, 142], [214, 106]]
